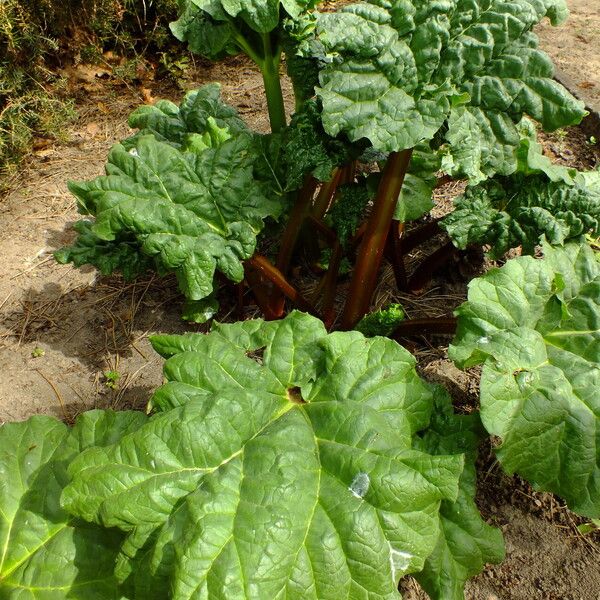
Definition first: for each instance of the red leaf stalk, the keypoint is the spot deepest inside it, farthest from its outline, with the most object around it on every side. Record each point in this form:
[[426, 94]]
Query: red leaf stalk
[[275, 276], [372, 247]]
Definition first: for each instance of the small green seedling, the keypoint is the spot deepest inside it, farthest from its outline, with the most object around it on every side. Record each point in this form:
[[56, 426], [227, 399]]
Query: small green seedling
[[112, 379], [382, 322], [585, 528]]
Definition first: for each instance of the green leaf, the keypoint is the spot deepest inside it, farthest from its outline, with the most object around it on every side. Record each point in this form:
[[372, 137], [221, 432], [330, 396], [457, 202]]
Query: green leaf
[[211, 26], [123, 254], [45, 553], [302, 70], [348, 210], [466, 543], [291, 474], [209, 35], [508, 212], [200, 108], [586, 528], [492, 56], [307, 150], [535, 327], [372, 87], [381, 322], [532, 161], [191, 212], [519, 81], [395, 73], [200, 311], [480, 144], [416, 196]]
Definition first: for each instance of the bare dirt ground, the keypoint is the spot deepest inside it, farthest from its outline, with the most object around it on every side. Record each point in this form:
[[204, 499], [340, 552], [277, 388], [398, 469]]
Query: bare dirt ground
[[575, 48], [62, 330]]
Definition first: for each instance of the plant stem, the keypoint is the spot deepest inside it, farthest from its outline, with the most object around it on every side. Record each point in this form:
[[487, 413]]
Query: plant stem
[[372, 247], [261, 295], [267, 58], [327, 233], [395, 253], [268, 271], [330, 284], [246, 48], [270, 72], [429, 266], [443, 180], [421, 234], [326, 193], [358, 235], [294, 225]]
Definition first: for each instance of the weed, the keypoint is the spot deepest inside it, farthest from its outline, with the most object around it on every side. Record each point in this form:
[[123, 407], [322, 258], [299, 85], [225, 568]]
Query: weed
[[32, 99], [111, 379]]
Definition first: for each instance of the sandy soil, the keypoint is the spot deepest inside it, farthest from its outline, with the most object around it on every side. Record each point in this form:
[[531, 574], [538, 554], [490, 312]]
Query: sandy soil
[[82, 324], [62, 329], [575, 48]]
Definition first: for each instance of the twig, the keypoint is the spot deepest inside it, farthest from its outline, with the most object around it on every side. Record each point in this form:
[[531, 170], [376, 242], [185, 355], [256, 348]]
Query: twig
[[57, 393], [5, 300], [32, 267]]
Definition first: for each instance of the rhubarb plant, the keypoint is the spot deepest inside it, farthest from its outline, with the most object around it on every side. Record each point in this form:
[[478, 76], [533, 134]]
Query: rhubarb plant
[[534, 326], [279, 459], [540, 200], [397, 90], [282, 460], [515, 211], [394, 73], [191, 212]]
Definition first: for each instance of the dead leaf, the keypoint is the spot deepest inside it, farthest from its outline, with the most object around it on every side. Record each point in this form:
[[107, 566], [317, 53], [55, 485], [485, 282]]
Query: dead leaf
[[87, 73], [40, 143], [92, 129], [44, 153], [147, 95]]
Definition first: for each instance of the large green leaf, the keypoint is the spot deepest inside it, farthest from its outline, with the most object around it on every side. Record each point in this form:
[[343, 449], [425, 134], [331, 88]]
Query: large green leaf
[[479, 144], [122, 254], [206, 29], [192, 212], [493, 57], [213, 27], [45, 554], [374, 87], [284, 467], [466, 543], [395, 72], [520, 210], [535, 327]]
